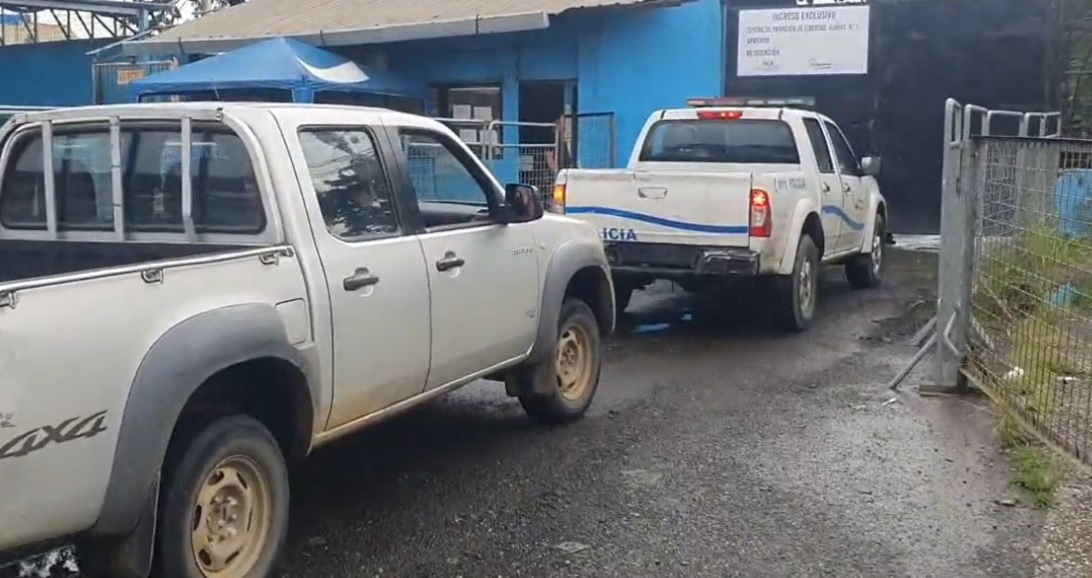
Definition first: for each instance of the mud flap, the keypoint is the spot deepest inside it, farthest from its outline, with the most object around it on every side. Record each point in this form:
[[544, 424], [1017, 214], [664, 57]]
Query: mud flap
[[129, 556], [536, 381]]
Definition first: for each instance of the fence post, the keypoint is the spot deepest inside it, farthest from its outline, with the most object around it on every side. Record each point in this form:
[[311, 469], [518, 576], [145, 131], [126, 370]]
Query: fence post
[[951, 259]]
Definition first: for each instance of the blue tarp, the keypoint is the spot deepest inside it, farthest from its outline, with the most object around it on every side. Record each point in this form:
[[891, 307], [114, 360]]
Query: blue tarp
[[279, 63], [1073, 201]]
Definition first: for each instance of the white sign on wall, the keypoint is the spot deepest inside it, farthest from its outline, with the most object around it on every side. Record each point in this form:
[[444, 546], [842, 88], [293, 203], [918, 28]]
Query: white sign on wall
[[803, 41]]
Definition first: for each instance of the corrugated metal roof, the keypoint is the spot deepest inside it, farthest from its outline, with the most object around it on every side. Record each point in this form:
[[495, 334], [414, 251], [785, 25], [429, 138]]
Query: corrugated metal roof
[[342, 22]]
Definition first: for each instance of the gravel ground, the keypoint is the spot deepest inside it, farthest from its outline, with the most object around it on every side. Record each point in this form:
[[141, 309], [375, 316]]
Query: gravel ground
[[1065, 550], [715, 448]]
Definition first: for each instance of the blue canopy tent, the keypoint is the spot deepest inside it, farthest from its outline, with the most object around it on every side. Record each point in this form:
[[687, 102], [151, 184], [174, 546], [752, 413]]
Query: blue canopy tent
[[279, 64]]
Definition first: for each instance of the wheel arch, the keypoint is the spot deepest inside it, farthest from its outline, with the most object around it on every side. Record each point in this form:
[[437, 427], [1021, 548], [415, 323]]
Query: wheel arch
[[878, 208], [577, 267], [187, 363], [806, 220]]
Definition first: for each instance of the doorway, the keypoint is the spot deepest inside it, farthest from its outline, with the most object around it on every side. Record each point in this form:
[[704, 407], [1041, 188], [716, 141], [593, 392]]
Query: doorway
[[542, 103]]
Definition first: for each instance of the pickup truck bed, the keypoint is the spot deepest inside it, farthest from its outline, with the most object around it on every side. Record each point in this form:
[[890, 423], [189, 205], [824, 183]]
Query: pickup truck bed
[[25, 259]]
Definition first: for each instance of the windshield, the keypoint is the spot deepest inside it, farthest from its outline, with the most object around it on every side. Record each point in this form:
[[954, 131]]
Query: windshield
[[721, 141]]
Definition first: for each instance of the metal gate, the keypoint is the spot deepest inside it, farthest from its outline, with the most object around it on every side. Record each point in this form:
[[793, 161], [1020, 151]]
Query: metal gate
[[111, 79], [587, 141], [584, 140]]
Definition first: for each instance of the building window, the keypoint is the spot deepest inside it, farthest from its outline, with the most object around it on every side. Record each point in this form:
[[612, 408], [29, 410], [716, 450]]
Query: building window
[[469, 111]]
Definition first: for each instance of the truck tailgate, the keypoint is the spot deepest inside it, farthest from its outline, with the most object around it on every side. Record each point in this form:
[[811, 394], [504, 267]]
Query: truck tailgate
[[691, 208]]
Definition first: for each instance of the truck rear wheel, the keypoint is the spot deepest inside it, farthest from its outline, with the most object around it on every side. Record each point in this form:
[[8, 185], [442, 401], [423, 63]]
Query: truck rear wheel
[[795, 295], [865, 271], [574, 368], [224, 511]]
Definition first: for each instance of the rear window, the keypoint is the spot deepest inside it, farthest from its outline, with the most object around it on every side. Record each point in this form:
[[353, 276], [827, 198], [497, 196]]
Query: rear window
[[721, 141], [225, 191]]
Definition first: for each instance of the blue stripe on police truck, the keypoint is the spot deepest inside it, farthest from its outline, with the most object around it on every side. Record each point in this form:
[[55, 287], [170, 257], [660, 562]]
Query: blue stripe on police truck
[[653, 220], [838, 212]]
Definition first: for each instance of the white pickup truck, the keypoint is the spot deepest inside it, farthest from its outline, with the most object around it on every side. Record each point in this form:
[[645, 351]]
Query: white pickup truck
[[194, 295], [721, 191]]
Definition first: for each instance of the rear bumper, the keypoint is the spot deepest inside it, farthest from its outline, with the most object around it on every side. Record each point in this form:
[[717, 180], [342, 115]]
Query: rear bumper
[[664, 261]]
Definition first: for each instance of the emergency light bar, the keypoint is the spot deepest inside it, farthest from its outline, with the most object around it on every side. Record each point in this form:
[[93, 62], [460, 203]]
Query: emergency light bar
[[797, 101]]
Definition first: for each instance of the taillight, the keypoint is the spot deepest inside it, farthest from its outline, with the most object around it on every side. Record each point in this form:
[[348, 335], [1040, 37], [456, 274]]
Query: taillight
[[720, 114], [558, 204], [761, 215]]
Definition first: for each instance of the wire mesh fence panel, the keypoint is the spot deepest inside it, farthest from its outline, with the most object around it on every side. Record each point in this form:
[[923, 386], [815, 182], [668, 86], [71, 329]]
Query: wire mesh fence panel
[[589, 141], [530, 164], [1031, 288], [437, 175]]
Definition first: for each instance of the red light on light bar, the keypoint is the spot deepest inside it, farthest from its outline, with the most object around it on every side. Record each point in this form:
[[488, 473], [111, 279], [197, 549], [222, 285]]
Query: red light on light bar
[[720, 114]]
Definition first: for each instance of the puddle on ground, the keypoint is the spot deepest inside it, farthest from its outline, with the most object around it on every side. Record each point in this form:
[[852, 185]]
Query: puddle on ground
[[661, 326]]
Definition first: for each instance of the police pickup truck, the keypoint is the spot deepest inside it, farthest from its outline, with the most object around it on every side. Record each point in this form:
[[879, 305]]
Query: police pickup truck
[[736, 189]]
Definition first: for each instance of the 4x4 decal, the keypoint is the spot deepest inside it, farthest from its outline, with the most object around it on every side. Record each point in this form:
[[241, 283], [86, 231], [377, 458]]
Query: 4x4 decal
[[73, 428]]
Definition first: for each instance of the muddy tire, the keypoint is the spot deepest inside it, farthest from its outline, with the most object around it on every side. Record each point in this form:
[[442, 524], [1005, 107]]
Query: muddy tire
[[795, 295], [865, 271], [224, 509], [574, 367]]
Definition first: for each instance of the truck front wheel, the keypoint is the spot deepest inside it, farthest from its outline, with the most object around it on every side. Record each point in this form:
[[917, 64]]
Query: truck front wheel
[[795, 295], [224, 510], [574, 368], [865, 271]]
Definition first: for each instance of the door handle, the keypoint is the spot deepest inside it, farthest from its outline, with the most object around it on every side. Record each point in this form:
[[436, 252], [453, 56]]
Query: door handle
[[846, 188], [449, 261], [825, 188], [652, 192], [360, 278]]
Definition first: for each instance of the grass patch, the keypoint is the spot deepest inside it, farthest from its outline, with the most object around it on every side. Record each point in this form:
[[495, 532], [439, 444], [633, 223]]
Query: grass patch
[[1033, 299], [1034, 468], [1035, 471]]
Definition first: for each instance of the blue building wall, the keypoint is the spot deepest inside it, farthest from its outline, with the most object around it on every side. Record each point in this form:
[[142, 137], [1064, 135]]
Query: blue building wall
[[627, 62], [50, 73]]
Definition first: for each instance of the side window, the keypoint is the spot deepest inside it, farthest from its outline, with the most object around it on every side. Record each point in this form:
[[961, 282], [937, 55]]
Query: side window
[[81, 178], [22, 198], [225, 193], [352, 187], [819, 144], [847, 161], [439, 171]]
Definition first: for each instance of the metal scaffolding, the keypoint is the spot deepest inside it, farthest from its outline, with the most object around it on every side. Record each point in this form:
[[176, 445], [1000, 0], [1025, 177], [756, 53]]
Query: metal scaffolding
[[36, 21]]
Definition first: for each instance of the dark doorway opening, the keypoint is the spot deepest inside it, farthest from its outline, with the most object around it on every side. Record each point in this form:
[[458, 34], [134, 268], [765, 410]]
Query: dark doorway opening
[[540, 103]]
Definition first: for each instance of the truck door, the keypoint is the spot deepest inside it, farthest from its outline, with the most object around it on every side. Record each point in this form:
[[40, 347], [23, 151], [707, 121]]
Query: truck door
[[483, 275], [854, 195], [830, 186], [375, 271]]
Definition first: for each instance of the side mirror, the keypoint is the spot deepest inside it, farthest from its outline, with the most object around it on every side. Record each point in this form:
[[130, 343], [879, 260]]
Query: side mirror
[[871, 166], [522, 203]]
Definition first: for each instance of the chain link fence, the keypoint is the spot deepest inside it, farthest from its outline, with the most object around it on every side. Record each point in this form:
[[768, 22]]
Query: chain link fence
[[1032, 282], [1015, 280]]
